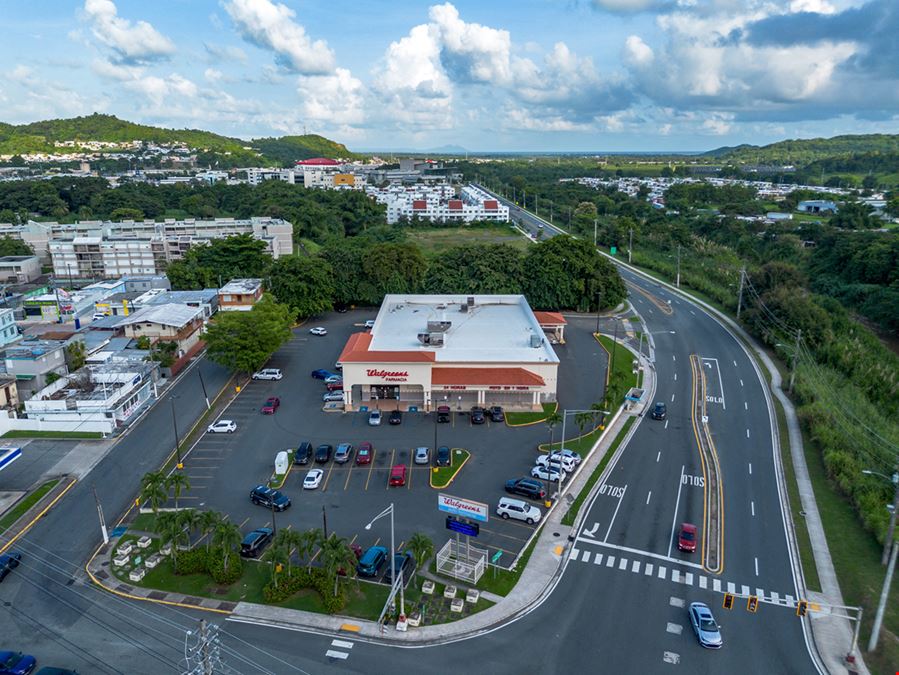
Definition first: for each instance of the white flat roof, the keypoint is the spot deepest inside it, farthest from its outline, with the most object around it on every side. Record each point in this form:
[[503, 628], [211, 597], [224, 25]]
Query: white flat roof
[[498, 328]]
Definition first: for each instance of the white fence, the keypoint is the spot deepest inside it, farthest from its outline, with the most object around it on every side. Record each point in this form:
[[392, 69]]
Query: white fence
[[461, 561]]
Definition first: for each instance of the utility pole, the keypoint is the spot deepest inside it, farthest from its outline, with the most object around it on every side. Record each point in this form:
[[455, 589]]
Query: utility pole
[[595, 221], [740, 292], [203, 384], [678, 266], [630, 247], [878, 618], [324, 522], [100, 514], [892, 528], [795, 358], [203, 657]]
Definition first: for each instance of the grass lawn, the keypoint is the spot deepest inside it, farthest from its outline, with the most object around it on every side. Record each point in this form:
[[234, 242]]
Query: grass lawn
[[439, 239], [517, 419], [444, 475], [502, 581], [21, 433], [24, 504], [620, 375]]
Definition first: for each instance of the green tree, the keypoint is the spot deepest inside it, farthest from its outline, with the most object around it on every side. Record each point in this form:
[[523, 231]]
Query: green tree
[[422, 548], [213, 264], [177, 483], [278, 556], [76, 355], [190, 520], [336, 554], [171, 530], [305, 284], [244, 341], [476, 268], [209, 520], [153, 489], [226, 537], [123, 213], [10, 246], [307, 543]]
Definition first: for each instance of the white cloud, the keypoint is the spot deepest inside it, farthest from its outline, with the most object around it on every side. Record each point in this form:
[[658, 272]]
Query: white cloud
[[470, 50], [271, 26], [21, 73], [217, 52], [336, 100], [637, 53], [212, 75], [158, 90], [131, 42], [625, 5]]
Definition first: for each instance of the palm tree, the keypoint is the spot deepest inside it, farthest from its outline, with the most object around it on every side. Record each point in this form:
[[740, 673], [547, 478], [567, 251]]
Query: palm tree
[[207, 522], [336, 554], [422, 548], [153, 489], [286, 539], [583, 419], [551, 421], [189, 520], [228, 536], [600, 410], [178, 482], [307, 543], [172, 531], [279, 555]]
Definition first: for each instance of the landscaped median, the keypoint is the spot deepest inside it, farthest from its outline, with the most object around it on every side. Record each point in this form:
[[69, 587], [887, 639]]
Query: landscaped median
[[29, 500], [443, 476], [74, 435]]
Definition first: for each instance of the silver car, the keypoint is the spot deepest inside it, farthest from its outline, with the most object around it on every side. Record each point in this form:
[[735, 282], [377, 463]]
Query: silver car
[[704, 625], [332, 396], [422, 455]]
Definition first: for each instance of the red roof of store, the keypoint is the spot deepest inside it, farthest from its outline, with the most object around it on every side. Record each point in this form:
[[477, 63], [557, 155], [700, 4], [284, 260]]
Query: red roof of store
[[356, 351], [490, 204], [317, 161], [473, 376], [550, 319]]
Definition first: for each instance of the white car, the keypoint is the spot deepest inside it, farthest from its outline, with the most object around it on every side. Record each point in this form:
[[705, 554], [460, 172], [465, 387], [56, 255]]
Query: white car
[[318, 330], [517, 509], [268, 374], [313, 479], [332, 396], [374, 418], [370, 323], [99, 315], [574, 456], [566, 463], [550, 475], [333, 378], [222, 427]]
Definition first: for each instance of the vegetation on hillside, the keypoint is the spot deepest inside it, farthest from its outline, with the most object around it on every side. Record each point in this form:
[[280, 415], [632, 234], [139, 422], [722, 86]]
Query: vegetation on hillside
[[803, 151], [288, 149]]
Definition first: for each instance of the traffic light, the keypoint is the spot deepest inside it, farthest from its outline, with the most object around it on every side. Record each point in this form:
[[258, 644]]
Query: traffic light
[[752, 604], [728, 601], [802, 608]]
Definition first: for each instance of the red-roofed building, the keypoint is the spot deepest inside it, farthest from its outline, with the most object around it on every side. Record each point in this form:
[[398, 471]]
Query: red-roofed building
[[317, 161]]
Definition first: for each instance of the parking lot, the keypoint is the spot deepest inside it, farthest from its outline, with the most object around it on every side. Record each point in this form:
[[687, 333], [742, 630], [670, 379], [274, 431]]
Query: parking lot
[[223, 468]]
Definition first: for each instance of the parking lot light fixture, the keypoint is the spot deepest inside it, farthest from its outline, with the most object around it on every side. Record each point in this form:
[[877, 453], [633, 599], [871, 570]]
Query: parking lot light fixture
[[389, 510], [179, 464]]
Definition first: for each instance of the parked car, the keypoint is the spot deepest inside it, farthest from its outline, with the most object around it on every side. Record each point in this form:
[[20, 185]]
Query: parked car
[[318, 330], [396, 417], [371, 561], [517, 509], [374, 418], [443, 414], [9, 561], [707, 631], [686, 538], [404, 564], [269, 498], [333, 396], [398, 475], [556, 461], [322, 374], [98, 315], [574, 456], [443, 456], [16, 663], [659, 411], [50, 670], [496, 414], [272, 403], [323, 453], [313, 479], [526, 487], [551, 474], [333, 377], [343, 453], [364, 453], [253, 544], [477, 415], [303, 454], [370, 323], [268, 374], [423, 455], [336, 385], [222, 427]]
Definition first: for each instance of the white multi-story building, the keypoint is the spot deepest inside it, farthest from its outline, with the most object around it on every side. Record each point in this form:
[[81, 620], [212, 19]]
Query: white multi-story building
[[438, 203]]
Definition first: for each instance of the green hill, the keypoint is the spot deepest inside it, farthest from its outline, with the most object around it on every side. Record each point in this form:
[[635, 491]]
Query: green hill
[[287, 149], [805, 151]]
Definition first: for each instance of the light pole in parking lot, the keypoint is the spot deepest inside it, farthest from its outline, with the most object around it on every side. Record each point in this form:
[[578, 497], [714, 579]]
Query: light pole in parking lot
[[179, 465], [203, 384], [389, 510]]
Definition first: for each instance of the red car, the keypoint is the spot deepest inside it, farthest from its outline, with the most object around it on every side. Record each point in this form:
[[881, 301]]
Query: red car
[[686, 539], [335, 386], [364, 453], [271, 405], [398, 475]]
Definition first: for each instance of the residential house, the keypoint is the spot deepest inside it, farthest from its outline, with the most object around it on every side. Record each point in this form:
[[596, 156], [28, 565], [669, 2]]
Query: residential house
[[240, 294], [32, 361], [166, 323], [19, 269], [9, 331]]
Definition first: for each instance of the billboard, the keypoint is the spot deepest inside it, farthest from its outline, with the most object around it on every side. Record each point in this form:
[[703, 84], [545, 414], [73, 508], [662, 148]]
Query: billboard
[[463, 507]]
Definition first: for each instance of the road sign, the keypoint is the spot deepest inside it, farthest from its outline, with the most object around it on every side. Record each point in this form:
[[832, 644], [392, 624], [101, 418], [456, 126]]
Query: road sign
[[463, 507], [613, 250], [460, 526], [496, 556]]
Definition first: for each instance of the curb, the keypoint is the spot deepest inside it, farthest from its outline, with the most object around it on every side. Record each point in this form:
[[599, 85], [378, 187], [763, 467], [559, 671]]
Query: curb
[[529, 424], [453, 477]]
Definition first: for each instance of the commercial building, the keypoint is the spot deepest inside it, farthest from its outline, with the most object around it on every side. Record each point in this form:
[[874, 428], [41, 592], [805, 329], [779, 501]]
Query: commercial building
[[816, 206], [239, 295], [438, 203], [9, 331], [431, 350], [19, 269], [31, 361]]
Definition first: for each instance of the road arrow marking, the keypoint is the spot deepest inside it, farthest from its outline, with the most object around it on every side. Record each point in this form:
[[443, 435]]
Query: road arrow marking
[[591, 532]]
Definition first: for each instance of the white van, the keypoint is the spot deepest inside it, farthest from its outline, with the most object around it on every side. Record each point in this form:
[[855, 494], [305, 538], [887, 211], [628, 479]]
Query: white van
[[517, 509]]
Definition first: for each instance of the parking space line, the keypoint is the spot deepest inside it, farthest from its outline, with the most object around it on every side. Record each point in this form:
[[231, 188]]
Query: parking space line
[[392, 456], [409, 474], [371, 467], [348, 474], [328, 476], [503, 534]]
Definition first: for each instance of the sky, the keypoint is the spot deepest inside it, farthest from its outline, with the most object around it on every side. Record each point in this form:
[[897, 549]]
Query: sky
[[502, 75]]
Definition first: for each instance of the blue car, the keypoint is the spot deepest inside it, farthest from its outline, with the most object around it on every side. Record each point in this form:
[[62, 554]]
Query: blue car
[[371, 561], [16, 663], [322, 374]]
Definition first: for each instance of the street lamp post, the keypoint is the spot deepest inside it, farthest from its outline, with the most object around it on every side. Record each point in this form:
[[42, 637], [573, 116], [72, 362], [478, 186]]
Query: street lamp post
[[888, 542], [389, 510], [598, 298], [179, 465], [203, 384]]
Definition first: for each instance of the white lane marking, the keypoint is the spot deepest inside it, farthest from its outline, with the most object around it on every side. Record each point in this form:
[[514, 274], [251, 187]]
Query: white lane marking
[[675, 575], [662, 572], [750, 468], [688, 578], [675, 377], [647, 570], [341, 644], [648, 497], [673, 357], [598, 559], [574, 553], [692, 312], [680, 483], [731, 587], [675, 628], [745, 405], [676, 602], [671, 657], [747, 433], [620, 499], [331, 654], [790, 599], [591, 531], [637, 551], [735, 364], [744, 590], [775, 597], [672, 398], [658, 456], [741, 383], [703, 581], [716, 585], [622, 563], [635, 568], [756, 567], [760, 592], [666, 424], [586, 556], [752, 507]]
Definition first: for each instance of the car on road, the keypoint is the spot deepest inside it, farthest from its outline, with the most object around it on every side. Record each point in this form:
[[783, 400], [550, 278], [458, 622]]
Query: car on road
[[556, 461], [398, 475], [370, 323], [253, 544], [322, 374], [477, 415], [404, 564], [272, 403], [372, 560], [98, 316], [551, 474], [374, 418], [269, 498], [9, 561], [396, 417], [517, 509], [659, 411], [268, 374], [16, 663], [323, 453], [343, 453], [336, 385], [422, 455], [443, 456], [496, 414], [313, 479], [303, 455], [443, 414], [686, 538], [364, 453], [318, 330], [222, 427], [333, 396], [526, 487], [707, 631]]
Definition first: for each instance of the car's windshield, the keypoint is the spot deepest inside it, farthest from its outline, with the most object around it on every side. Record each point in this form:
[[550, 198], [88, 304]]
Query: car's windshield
[[708, 624], [689, 536], [11, 661], [276, 495]]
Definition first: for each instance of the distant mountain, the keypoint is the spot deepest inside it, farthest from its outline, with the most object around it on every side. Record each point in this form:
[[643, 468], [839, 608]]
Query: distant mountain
[[804, 151], [447, 150]]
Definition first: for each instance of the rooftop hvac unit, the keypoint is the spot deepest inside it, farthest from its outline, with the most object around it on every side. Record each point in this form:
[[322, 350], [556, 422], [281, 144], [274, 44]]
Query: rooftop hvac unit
[[470, 301], [431, 339], [536, 341], [439, 326], [463, 307]]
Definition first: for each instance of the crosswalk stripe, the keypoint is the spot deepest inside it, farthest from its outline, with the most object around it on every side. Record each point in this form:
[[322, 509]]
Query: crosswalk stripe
[[716, 584], [622, 564], [744, 590], [689, 579], [662, 571], [675, 575], [574, 552], [342, 644], [610, 561], [703, 581], [731, 587], [790, 600], [331, 654], [585, 557], [648, 569], [775, 597], [636, 567], [598, 559]]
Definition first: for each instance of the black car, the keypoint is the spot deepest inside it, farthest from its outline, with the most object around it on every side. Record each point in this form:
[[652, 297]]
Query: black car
[[8, 561], [323, 453], [255, 541], [496, 414], [404, 563], [659, 411], [50, 670], [443, 414], [396, 417], [526, 487], [269, 498], [303, 455], [477, 415], [443, 456]]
